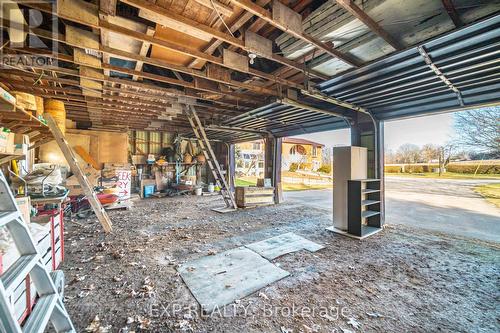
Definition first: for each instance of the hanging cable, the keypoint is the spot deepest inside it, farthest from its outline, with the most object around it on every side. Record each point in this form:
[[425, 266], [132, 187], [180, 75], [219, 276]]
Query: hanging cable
[[39, 78], [220, 17]]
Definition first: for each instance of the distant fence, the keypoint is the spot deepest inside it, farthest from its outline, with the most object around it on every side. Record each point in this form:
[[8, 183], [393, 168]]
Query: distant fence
[[306, 178], [469, 167], [306, 181]]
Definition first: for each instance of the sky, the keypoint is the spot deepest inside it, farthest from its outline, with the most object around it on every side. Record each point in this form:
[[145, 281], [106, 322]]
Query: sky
[[436, 129]]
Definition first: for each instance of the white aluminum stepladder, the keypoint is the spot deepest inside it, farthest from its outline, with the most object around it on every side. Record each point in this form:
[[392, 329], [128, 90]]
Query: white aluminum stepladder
[[49, 305]]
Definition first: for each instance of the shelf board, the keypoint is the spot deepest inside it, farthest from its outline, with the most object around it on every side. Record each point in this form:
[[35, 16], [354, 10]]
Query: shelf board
[[15, 155], [369, 190], [25, 118], [369, 213], [369, 202], [5, 158]]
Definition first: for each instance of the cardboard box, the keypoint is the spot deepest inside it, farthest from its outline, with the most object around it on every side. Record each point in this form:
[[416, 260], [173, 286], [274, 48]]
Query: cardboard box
[[25, 101], [138, 159], [21, 144], [6, 142], [7, 101], [24, 204]]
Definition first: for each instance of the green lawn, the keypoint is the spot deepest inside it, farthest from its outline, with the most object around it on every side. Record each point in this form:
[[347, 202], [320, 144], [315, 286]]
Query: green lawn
[[244, 182], [490, 192], [446, 175], [251, 181]]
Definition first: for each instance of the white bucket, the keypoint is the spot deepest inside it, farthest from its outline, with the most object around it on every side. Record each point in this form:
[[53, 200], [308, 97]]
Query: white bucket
[[198, 191], [211, 188]]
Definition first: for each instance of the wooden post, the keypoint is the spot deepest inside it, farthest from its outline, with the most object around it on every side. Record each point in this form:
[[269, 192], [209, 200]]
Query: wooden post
[[82, 180], [232, 165], [278, 153], [272, 165]]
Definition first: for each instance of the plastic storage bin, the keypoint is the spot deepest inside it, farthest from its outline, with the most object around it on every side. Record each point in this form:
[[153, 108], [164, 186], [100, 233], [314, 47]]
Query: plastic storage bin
[[148, 190]]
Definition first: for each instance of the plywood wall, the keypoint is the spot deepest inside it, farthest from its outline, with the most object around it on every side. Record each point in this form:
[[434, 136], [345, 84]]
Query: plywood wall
[[103, 147]]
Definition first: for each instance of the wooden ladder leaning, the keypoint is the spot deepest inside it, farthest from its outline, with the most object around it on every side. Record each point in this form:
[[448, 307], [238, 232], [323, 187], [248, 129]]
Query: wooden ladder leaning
[[220, 180], [77, 171]]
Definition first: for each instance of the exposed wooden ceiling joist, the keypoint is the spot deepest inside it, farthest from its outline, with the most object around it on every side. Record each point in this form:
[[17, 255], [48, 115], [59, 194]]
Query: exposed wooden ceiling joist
[[357, 12], [105, 99], [154, 77], [452, 12], [145, 38], [159, 12], [155, 62], [108, 7], [268, 17], [233, 27]]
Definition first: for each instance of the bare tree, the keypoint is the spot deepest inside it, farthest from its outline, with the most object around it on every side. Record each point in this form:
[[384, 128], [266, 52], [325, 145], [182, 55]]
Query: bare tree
[[429, 152], [445, 153], [408, 153], [479, 129], [390, 156], [326, 155]]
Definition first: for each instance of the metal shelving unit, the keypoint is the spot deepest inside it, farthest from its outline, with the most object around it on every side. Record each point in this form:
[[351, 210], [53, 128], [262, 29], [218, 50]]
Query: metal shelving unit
[[363, 207]]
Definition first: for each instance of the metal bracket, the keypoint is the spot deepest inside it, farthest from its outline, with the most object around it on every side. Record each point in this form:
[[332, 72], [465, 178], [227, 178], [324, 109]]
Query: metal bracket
[[439, 74]]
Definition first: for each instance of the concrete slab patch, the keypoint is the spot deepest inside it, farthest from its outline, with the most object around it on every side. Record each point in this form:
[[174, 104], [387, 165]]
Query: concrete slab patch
[[275, 247], [221, 279]]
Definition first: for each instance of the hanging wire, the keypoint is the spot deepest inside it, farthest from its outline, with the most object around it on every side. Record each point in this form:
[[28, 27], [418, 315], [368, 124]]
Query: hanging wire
[[220, 17], [39, 78], [4, 45]]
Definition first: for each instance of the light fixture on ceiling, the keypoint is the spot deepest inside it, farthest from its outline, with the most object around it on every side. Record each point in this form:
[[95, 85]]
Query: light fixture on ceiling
[[252, 57]]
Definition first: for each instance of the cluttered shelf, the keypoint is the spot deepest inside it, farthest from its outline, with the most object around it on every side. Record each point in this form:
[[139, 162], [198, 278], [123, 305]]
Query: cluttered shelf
[[23, 114]]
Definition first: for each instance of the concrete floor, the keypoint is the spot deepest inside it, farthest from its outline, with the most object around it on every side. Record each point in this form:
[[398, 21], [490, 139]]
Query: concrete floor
[[444, 205]]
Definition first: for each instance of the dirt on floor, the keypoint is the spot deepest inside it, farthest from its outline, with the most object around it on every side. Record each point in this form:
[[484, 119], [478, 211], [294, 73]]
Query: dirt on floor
[[401, 279]]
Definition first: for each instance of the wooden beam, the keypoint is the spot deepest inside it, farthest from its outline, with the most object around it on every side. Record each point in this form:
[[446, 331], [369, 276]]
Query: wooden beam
[[159, 12], [182, 69], [146, 101], [222, 8], [143, 52], [452, 13], [268, 17], [107, 26], [357, 12], [234, 26], [108, 7], [192, 53], [155, 77]]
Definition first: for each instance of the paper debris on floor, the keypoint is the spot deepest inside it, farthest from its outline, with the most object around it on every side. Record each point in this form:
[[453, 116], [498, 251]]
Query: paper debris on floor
[[220, 279], [275, 247]]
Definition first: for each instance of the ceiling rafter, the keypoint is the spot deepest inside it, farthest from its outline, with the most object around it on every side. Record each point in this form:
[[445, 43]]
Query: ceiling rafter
[[154, 77], [268, 17], [155, 62], [107, 51], [233, 27], [357, 12], [145, 38], [452, 13], [108, 7], [127, 100], [158, 10]]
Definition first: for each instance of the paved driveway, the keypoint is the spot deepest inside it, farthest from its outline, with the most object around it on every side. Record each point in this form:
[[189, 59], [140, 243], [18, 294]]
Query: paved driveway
[[449, 206]]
